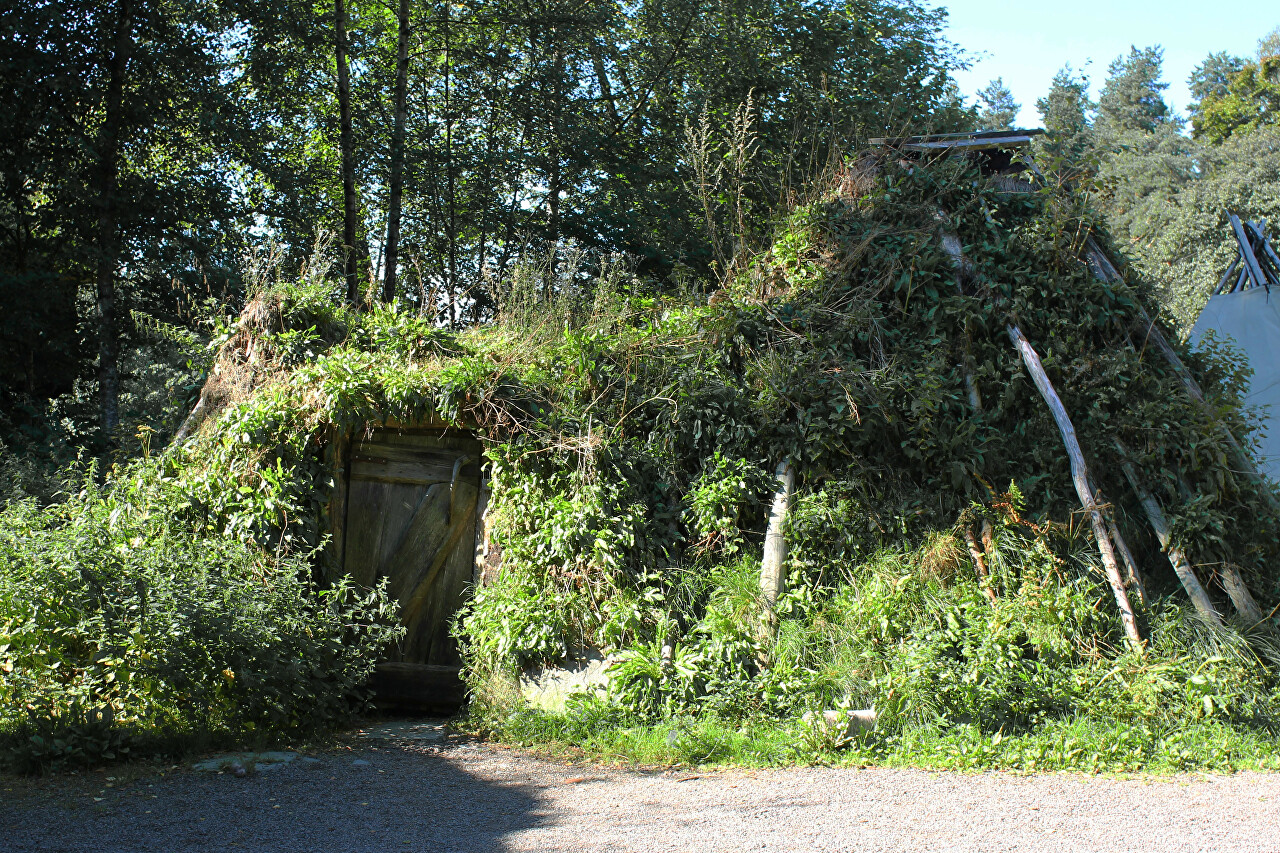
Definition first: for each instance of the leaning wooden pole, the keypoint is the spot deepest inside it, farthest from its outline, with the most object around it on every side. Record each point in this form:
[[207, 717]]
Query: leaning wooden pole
[[1080, 476], [1181, 565], [1232, 581], [1133, 577], [774, 562], [1238, 592], [1246, 252]]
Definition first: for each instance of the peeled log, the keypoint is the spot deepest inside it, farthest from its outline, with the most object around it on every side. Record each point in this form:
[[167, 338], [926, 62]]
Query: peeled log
[[1240, 595], [1235, 586], [1080, 476], [1181, 566], [775, 543]]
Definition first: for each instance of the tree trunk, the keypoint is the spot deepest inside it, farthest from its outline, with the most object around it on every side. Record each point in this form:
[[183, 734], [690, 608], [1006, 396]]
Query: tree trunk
[[108, 248], [449, 168], [351, 265], [1181, 565], [396, 183], [1080, 476], [775, 542]]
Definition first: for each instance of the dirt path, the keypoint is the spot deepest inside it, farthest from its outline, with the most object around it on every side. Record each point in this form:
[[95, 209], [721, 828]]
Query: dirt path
[[427, 794]]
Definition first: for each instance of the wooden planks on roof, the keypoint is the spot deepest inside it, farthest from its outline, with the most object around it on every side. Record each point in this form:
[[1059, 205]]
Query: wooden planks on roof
[[1255, 263], [982, 140], [995, 151]]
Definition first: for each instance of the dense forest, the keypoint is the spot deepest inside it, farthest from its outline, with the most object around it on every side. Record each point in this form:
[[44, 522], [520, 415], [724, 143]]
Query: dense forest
[[635, 248], [426, 148]]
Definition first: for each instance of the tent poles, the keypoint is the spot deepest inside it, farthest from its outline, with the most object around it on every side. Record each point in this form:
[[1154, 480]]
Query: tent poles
[[1227, 275], [1246, 250]]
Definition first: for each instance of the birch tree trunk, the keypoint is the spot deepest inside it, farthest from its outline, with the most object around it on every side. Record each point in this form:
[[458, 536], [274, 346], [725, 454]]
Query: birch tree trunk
[[346, 146], [1080, 476], [396, 179]]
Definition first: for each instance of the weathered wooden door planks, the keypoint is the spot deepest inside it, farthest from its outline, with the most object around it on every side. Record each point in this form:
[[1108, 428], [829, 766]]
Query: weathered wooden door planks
[[410, 517]]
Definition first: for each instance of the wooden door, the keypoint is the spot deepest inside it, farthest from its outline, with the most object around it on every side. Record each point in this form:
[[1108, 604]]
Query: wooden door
[[411, 518]]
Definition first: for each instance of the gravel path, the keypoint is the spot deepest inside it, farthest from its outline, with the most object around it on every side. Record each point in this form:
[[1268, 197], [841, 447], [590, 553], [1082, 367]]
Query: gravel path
[[444, 795]]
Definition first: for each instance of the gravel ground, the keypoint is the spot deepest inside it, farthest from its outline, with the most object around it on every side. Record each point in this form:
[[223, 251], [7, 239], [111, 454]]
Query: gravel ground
[[389, 793]]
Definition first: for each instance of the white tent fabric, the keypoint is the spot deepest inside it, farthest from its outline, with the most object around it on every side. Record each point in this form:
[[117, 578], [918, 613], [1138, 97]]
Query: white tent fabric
[[1251, 320]]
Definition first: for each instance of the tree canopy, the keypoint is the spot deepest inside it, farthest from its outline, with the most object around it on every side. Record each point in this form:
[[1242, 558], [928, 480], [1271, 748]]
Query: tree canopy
[[159, 142]]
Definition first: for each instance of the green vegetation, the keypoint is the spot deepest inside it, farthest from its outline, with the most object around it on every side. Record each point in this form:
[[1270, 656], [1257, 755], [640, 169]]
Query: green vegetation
[[121, 631], [720, 290], [640, 535], [161, 142], [630, 434], [1164, 194]]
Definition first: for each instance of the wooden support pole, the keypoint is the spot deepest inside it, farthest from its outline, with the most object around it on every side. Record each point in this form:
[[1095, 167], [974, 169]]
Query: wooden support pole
[[1080, 477], [1232, 582], [1226, 276], [1246, 251], [775, 542], [1181, 565], [1130, 564], [1133, 577], [979, 563], [1270, 254], [1239, 594]]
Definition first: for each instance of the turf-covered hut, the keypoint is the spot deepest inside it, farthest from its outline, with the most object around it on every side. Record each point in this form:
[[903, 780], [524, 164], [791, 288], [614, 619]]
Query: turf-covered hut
[[928, 353], [1002, 156], [392, 501], [405, 509]]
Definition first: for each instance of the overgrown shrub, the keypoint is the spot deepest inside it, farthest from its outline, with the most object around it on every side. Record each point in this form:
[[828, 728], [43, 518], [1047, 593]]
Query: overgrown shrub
[[119, 626]]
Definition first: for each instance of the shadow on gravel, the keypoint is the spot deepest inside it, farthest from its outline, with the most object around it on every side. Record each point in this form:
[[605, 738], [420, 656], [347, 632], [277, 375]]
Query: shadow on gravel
[[403, 797]]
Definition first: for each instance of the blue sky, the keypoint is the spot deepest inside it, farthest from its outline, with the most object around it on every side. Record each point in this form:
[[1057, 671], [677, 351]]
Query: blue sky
[[1026, 43]]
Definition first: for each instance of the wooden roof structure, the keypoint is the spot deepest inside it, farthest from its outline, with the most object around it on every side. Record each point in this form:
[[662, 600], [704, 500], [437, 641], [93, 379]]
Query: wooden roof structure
[[1256, 263], [996, 151]]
